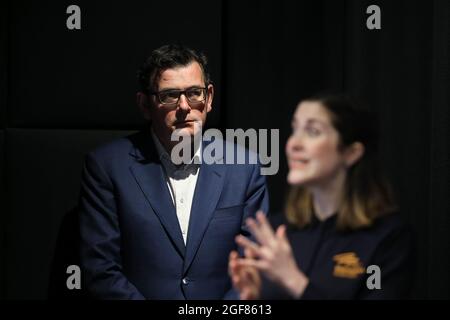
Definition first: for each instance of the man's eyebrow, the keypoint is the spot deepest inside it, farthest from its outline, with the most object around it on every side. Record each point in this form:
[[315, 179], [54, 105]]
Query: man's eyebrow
[[177, 89], [168, 89]]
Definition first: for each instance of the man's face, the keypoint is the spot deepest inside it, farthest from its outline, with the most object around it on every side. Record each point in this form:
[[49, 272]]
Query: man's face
[[186, 116]]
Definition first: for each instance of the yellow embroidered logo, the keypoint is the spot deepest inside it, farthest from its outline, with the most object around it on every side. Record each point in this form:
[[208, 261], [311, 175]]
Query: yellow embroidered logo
[[347, 265]]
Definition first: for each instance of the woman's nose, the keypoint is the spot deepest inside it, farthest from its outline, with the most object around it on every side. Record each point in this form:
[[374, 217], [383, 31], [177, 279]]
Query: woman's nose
[[294, 144]]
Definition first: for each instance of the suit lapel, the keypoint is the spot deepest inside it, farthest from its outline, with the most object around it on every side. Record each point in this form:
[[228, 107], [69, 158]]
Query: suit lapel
[[207, 194], [150, 176]]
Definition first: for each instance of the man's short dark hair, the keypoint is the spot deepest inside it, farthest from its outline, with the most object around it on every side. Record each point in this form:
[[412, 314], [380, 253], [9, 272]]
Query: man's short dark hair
[[169, 57]]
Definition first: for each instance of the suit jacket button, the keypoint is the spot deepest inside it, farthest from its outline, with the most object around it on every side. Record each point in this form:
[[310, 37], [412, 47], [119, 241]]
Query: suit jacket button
[[185, 281]]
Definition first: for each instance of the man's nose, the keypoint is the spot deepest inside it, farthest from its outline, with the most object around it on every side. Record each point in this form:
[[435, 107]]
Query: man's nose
[[183, 103]]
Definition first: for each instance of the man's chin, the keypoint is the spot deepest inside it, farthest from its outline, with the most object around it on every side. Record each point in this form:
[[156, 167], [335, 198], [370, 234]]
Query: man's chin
[[185, 131], [187, 128]]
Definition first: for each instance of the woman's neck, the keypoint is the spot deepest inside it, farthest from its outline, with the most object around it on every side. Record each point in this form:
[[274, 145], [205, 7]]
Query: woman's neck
[[327, 196]]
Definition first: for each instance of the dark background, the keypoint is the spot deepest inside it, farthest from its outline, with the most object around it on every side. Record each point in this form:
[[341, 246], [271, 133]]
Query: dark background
[[63, 92]]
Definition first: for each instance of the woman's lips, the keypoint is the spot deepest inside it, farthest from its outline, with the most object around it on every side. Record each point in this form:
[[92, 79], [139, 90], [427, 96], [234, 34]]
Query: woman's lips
[[298, 163]]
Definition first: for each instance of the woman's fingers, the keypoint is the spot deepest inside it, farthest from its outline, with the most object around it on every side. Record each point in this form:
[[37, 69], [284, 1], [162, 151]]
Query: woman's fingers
[[261, 229], [232, 259], [256, 231], [281, 232], [264, 226], [252, 263], [233, 267], [247, 294], [235, 271], [249, 246], [249, 283], [249, 254], [244, 279], [283, 239]]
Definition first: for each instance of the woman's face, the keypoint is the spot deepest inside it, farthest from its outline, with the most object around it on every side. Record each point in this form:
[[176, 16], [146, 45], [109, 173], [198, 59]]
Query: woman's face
[[312, 149]]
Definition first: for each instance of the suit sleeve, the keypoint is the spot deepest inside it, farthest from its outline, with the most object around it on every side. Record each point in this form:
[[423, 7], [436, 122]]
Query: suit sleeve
[[257, 199], [100, 237], [396, 258]]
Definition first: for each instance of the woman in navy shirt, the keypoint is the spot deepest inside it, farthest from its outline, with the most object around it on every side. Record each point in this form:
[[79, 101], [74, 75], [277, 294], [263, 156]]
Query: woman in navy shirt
[[340, 236]]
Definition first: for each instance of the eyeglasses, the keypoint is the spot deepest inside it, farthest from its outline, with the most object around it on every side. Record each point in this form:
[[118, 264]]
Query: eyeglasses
[[171, 97]]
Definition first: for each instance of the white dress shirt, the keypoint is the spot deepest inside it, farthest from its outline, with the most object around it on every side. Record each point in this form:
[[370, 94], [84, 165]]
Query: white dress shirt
[[181, 181]]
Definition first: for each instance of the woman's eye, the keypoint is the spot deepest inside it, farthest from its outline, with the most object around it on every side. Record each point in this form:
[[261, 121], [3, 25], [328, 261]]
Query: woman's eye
[[312, 132]]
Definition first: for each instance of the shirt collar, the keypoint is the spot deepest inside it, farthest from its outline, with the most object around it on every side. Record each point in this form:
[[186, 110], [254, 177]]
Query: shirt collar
[[167, 162]]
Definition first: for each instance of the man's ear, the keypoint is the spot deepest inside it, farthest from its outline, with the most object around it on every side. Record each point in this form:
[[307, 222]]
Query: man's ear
[[143, 103], [210, 97], [353, 153]]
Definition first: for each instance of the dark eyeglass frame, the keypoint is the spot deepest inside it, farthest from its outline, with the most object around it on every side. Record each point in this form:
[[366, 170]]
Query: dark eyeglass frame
[[180, 92]]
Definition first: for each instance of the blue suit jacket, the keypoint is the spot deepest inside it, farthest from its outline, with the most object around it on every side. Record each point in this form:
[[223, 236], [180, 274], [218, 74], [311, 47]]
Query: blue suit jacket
[[131, 242]]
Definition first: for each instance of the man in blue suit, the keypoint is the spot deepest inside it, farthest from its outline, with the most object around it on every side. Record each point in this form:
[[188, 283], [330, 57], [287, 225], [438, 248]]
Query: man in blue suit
[[151, 229]]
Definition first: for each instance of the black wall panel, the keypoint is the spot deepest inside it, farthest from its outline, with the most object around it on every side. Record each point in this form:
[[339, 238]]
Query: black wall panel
[[87, 78], [3, 61], [2, 214], [382, 66], [438, 229], [3, 101], [272, 62], [43, 174]]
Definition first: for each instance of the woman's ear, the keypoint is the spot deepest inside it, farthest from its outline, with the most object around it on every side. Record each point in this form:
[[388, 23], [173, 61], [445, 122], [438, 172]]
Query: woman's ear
[[143, 102], [353, 153]]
